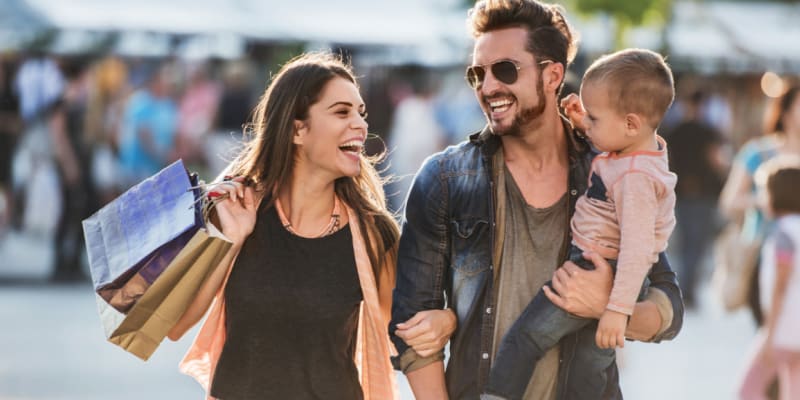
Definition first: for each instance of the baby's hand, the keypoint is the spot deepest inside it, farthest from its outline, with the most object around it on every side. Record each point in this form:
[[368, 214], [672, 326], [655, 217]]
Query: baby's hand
[[573, 109], [611, 330]]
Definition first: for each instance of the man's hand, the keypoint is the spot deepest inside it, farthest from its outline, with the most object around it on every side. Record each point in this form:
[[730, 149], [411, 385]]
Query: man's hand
[[611, 330], [428, 331], [581, 292]]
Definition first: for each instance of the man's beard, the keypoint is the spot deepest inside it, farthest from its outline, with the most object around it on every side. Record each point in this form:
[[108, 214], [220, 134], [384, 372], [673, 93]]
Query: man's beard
[[525, 116]]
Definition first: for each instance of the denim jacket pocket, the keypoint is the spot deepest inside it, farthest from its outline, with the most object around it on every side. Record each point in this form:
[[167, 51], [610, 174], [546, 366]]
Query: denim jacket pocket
[[471, 244]]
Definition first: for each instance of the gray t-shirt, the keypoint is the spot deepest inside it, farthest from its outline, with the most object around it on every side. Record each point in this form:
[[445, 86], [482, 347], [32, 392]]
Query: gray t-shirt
[[532, 249]]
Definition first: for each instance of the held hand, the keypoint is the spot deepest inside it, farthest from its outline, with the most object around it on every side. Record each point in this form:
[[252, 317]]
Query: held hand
[[428, 331], [611, 330], [237, 213], [581, 292], [573, 110]]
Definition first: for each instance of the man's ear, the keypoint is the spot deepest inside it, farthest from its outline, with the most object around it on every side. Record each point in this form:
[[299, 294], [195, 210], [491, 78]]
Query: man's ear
[[633, 122], [300, 130], [553, 75]]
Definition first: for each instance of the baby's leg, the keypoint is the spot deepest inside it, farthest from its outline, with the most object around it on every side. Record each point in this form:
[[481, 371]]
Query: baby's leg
[[540, 327], [587, 378]]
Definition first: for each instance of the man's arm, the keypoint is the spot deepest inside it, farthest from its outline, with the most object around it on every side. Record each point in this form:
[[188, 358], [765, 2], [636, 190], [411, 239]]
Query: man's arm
[[585, 293], [421, 268]]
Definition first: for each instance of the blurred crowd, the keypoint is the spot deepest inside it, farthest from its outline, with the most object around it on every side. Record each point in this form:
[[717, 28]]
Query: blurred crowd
[[76, 132]]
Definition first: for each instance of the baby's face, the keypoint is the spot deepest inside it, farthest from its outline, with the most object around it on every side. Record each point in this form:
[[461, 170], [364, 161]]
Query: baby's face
[[605, 126]]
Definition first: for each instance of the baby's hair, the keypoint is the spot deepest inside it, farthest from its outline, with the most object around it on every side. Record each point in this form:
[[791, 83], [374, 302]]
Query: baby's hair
[[780, 177], [637, 81]]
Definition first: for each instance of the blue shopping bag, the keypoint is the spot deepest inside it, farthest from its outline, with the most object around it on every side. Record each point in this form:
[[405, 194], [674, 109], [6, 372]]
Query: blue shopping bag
[[132, 239]]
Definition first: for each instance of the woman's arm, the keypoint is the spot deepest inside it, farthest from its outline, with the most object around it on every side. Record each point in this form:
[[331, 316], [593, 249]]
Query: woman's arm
[[736, 196], [204, 296], [427, 332], [428, 382], [237, 216]]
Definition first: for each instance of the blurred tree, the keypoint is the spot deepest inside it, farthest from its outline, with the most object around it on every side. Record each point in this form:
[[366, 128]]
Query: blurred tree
[[627, 13]]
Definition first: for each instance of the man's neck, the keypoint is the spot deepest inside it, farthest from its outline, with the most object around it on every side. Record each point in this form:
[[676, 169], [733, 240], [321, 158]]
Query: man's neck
[[538, 147], [538, 161]]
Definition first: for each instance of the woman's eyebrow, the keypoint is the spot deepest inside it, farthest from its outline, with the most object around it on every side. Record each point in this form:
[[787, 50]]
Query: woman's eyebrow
[[345, 103]]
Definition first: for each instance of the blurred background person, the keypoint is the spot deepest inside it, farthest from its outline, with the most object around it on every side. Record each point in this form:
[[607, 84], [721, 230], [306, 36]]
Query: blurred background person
[[148, 129], [38, 83], [738, 199], [108, 92], [197, 112], [10, 125], [696, 151], [233, 110], [73, 161], [776, 349], [414, 135]]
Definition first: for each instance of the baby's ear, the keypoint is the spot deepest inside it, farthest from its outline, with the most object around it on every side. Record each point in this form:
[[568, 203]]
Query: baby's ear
[[633, 122]]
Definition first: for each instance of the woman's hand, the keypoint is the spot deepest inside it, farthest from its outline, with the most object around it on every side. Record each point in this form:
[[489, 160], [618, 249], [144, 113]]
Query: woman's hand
[[428, 331], [237, 212], [581, 292]]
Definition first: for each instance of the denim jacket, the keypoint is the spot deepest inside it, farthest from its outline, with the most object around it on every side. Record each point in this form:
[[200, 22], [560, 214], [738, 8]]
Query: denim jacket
[[447, 254]]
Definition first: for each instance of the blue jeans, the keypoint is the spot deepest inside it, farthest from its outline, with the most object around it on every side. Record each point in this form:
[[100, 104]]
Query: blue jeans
[[540, 327]]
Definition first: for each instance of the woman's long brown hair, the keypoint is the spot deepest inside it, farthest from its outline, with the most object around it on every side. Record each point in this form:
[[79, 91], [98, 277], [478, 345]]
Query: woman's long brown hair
[[267, 158]]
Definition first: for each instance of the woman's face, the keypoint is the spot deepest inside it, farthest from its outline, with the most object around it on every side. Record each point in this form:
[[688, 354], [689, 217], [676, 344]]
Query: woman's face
[[331, 139]]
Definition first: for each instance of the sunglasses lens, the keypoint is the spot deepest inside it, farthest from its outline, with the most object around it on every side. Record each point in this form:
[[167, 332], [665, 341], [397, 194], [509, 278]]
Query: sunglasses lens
[[505, 71], [475, 75]]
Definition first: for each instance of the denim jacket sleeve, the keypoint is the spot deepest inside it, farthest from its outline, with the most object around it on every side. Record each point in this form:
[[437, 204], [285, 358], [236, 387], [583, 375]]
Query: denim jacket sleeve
[[663, 278], [423, 254]]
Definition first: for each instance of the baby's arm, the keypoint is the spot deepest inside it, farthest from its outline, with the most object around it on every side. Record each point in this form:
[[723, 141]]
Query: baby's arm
[[611, 330], [636, 201], [573, 110]]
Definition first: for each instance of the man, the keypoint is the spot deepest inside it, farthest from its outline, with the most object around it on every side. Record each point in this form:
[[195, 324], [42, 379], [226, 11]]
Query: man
[[486, 222], [696, 152]]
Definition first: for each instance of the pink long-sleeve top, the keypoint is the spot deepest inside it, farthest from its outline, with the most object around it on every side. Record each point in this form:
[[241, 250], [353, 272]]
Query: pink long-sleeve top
[[627, 214]]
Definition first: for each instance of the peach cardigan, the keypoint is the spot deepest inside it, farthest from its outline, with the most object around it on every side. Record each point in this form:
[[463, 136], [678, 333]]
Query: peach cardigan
[[373, 347]]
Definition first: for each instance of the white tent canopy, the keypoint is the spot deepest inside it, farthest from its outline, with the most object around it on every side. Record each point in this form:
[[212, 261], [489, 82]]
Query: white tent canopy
[[415, 27]]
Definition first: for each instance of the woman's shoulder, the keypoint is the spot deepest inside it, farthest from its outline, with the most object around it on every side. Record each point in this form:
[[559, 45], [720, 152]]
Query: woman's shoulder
[[757, 150], [761, 144]]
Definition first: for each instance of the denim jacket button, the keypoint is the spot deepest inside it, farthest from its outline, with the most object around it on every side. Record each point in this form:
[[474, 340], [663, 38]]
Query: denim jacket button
[[485, 356], [488, 310], [573, 192]]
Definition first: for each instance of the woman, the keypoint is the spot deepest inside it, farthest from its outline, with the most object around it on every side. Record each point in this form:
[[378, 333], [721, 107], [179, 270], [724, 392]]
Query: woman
[[738, 197], [301, 301]]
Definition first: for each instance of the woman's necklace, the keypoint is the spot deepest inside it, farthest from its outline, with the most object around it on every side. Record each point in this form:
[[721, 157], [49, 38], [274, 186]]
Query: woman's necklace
[[328, 229]]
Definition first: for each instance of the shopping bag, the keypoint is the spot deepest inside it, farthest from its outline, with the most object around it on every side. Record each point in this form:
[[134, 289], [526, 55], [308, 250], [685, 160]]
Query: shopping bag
[[131, 240], [149, 252], [147, 323], [735, 261]]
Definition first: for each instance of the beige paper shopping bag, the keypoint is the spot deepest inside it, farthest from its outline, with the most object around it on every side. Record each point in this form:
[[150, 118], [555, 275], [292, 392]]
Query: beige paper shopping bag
[[146, 324]]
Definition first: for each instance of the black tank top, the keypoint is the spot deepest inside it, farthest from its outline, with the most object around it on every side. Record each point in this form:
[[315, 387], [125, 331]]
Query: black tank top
[[291, 317]]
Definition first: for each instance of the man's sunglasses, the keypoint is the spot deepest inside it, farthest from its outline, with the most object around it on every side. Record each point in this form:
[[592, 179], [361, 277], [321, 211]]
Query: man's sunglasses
[[504, 71]]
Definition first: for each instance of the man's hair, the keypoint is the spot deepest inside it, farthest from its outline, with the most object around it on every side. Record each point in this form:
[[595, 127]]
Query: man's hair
[[780, 176], [637, 81], [550, 36]]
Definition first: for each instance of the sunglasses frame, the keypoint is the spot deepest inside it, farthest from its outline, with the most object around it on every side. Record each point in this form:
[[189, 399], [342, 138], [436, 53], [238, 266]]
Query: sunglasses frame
[[491, 66]]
